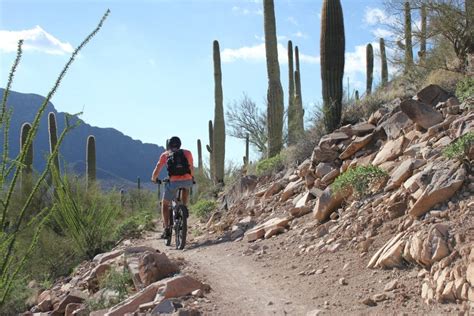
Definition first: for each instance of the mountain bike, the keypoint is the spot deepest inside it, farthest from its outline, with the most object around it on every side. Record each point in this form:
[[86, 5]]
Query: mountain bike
[[178, 219]]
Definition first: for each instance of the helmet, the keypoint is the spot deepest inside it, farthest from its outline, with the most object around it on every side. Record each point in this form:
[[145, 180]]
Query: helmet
[[174, 142]]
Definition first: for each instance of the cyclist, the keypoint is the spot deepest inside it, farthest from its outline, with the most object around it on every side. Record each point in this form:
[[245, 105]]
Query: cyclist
[[179, 163]]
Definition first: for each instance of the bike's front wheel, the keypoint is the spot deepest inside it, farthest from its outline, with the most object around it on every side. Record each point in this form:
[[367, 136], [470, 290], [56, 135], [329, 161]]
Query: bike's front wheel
[[181, 226]]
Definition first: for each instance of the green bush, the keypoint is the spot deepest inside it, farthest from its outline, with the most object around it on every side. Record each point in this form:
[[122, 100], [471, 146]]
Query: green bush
[[134, 226], [465, 89], [460, 148], [203, 208], [118, 283], [270, 165], [358, 180]]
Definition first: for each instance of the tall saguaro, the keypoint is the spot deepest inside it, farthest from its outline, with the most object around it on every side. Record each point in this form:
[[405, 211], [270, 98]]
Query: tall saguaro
[[332, 61], [90, 161], [370, 68], [291, 97], [423, 34], [218, 146], [299, 120], [408, 38], [383, 60], [53, 138], [28, 169], [211, 151], [275, 91], [199, 149]]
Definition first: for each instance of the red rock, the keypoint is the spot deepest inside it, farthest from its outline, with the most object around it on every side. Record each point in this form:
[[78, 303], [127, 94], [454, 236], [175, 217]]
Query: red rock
[[153, 266], [390, 151], [327, 203], [420, 113]]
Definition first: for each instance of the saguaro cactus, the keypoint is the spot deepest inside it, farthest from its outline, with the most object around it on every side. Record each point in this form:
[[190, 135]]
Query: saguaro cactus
[[357, 95], [291, 97], [383, 59], [210, 150], [218, 145], [199, 156], [408, 38], [275, 91], [53, 138], [299, 117], [247, 143], [423, 35], [332, 61], [369, 68], [28, 169], [90, 161], [139, 184]]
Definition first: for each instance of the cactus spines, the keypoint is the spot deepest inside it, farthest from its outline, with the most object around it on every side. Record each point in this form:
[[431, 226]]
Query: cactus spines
[[408, 39], [218, 145], [291, 97], [275, 91], [383, 59], [199, 148], [423, 35], [357, 95], [332, 61], [209, 149], [28, 169], [90, 161], [370, 68], [53, 138]]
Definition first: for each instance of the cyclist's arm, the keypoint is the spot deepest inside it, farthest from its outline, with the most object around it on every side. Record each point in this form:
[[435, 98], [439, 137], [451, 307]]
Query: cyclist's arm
[[161, 163]]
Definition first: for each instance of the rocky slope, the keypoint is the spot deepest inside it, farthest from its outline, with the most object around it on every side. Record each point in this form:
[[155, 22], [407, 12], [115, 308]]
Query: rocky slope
[[299, 247]]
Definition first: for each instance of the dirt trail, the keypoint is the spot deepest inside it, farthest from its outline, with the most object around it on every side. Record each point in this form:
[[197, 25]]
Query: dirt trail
[[239, 286]]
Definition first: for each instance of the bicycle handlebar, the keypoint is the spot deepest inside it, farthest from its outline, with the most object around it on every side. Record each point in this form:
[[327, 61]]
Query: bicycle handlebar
[[167, 180]]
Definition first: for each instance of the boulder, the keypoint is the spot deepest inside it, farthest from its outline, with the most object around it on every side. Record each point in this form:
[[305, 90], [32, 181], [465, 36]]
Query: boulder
[[390, 151], [71, 308], [422, 114], [259, 231], [400, 174], [273, 189], [332, 139], [432, 95], [95, 275], [321, 154], [327, 203], [323, 169], [71, 297], [329, 178], [154, 266], [442, 183], [103, 257], [357, 144], [290, 190], [303, 168], [390, 255], [395, 124]]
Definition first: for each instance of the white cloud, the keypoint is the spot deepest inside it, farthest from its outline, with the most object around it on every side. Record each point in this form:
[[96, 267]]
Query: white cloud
[[292, 20], [35, 39], [381, 32], [374, 16], [256, 53], [300, 34], [245, 11]]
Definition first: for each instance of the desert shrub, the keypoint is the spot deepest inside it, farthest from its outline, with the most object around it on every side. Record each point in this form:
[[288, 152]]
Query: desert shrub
[[15, 302], [134, 226], [358, 180], [203, 208], [465, 88], [444, 78], [269, 165], [115, 287], [460, 148]]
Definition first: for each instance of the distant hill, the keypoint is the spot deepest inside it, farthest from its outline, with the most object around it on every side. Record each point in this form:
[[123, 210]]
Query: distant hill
[[120, 159]]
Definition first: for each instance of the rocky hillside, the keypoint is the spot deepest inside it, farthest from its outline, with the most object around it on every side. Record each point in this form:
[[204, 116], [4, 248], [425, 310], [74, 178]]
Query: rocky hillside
[[402, 243], [136, 158]]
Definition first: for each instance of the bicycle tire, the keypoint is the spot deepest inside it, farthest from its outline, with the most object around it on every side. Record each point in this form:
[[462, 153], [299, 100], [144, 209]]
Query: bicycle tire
[[181, 226], [169, 237]]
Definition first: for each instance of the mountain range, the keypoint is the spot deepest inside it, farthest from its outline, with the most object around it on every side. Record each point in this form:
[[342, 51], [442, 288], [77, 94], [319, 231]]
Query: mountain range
[[120, 159]]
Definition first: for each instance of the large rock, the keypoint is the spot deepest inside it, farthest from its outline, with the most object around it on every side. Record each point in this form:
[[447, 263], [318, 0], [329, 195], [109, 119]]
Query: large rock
[[394, 126], [432, 95], [420, 113], [71, 297], [443, 181], [259, 231], [322, 154], [327, 203], [332, 139], [357, 144], [103, 257], [154, 266], [360, 129], [390, 255], [290, 189], [323, 169], [390, 151], [400, 174]]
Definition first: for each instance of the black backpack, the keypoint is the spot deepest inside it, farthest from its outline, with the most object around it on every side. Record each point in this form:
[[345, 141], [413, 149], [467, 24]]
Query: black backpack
[[177, 163]]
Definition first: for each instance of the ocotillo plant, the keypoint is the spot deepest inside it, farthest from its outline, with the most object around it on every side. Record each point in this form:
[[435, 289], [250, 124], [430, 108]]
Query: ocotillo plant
[[383, 59], [199, 149], [28, 169], [370, 68], [275, 91], [90, 161], [332, 61], [210, 150], [408, 41], [218, 145], [291, 96], [53, 138], [423, 35], [298, 123]]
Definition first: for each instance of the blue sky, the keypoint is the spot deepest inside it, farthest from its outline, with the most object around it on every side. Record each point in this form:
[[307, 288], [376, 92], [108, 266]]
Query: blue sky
[[149, 73]]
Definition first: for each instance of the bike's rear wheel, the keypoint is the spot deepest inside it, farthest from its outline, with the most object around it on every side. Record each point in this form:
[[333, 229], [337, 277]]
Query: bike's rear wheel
[[181, 226], [170, 231]]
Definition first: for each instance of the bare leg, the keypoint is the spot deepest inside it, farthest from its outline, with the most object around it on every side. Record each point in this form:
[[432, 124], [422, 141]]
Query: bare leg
[[185, 196], [165, 213]]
